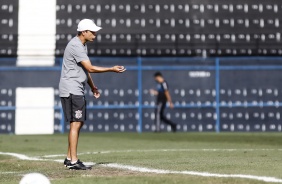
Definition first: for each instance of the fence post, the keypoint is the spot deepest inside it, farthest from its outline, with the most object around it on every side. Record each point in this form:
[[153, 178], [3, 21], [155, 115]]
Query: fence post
[[139, 62], [217, 90], [62, 122]]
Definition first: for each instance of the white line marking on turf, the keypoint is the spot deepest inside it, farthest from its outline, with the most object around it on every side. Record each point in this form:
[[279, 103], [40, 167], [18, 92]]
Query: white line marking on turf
[[11, 172], [52, 156], [163, 150], [204, 174], [160, 171], [21, 156]]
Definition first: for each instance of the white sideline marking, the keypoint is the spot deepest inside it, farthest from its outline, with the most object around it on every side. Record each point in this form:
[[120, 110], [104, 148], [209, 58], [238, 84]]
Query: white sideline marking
[[162, 150], [204, 174], [11, 172], [160, 171], [21, 156]]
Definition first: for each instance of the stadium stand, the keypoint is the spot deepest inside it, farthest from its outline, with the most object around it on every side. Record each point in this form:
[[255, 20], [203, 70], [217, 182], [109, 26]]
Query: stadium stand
[[181, 28], [7, 118], [162, 28], [8, 28]]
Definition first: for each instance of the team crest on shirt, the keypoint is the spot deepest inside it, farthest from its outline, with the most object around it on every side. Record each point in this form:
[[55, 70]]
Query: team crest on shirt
[[78, 114]]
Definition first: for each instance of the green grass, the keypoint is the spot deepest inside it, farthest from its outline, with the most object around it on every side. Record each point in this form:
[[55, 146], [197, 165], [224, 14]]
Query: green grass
[[254, 154]]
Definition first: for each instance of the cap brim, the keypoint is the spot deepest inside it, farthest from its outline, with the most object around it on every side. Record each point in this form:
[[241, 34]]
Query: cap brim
[[95, 28]]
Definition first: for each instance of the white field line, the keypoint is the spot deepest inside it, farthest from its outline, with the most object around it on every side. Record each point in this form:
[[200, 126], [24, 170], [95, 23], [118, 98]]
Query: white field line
[[203, 174], [21, 156], [11, 172], [160, 171], [163, 150]]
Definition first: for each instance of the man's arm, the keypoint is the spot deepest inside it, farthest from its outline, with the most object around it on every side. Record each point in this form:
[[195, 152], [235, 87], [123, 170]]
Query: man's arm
[[96, 69], [91, 83], [94, 89], [154, 92], [168, 97]]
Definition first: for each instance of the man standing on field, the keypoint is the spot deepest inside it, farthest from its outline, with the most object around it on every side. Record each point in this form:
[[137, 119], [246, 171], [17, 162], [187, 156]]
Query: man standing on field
[[76, 69], [163, 96]]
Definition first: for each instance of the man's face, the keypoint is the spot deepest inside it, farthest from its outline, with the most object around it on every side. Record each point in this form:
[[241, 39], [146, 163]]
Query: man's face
[[158, 79], [89, 35]]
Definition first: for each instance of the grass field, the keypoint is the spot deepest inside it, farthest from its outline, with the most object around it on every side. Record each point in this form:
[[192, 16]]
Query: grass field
[[124, 157]]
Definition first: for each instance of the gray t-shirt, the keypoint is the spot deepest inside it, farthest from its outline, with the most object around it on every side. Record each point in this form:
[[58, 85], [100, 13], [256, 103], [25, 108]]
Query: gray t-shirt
[[73, 75]]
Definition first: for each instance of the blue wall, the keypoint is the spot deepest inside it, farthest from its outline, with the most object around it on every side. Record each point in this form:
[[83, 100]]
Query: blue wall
[[213, 94]]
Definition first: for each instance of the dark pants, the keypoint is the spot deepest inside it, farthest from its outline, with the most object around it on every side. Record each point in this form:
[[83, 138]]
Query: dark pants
[[159, 116]]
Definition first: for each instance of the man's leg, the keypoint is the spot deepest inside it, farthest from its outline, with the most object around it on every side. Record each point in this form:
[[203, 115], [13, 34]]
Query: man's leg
[[75, 113], [66, 105], [158, 117], [69, 153], [164, 119], [73, 140]]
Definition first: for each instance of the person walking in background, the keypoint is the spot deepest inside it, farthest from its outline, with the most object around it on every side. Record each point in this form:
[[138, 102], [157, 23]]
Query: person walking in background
[[76, 69], [163, 96]]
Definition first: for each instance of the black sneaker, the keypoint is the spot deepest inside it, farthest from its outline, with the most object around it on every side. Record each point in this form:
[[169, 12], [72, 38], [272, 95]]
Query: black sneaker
[[67, 162], [79, 166]]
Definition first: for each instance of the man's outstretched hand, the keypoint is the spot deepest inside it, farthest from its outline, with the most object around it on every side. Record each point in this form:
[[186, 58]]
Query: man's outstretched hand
[[171, 105], [96, 92], [153, 92], [118, 69]]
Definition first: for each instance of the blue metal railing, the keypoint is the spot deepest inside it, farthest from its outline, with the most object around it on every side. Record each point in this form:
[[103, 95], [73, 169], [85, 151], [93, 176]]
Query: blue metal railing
[[137, 65], [217, 88], [140, 89]]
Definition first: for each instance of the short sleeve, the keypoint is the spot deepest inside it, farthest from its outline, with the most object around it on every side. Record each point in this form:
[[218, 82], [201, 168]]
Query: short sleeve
[[79, 53], [165, 87]]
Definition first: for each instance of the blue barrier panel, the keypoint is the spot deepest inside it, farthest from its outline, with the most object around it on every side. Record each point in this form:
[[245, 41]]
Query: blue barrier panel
[[214, 111], [217, 86]]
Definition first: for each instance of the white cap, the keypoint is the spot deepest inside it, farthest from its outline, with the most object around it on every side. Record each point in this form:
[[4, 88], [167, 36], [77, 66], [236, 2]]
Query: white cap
[[87, 24]]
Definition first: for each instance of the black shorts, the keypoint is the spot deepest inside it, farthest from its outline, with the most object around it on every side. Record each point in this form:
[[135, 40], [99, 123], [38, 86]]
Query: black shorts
[[74, 108]]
